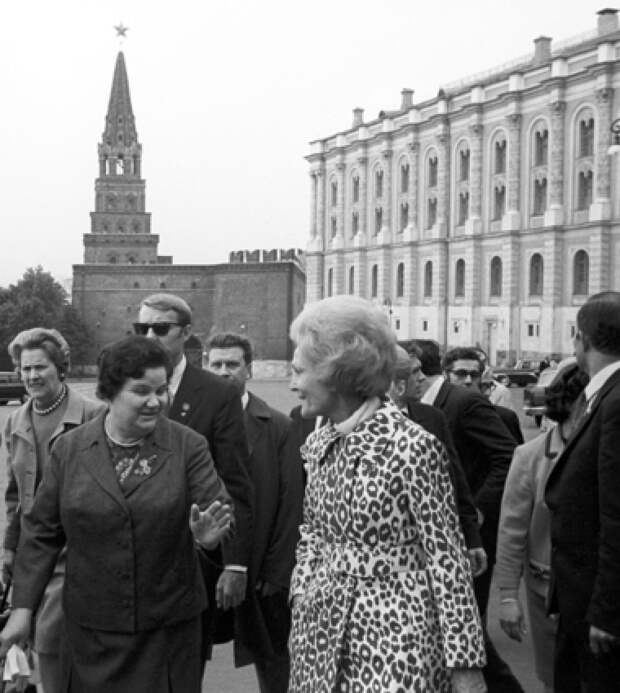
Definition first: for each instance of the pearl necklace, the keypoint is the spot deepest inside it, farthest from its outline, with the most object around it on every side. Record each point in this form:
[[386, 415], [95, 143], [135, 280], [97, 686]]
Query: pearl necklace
[[54, 405], [106, 428]]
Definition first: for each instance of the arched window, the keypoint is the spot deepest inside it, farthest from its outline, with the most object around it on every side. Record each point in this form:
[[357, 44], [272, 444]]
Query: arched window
[[428, 279], [464, 164], [378, 183], [584, 190], [334, 195], [581, 272], [356, 189], [459, 278], [586, 136], [330, 281], [351, 279], [374, 281], [432, 171], [536, 275], [499, 154], [541, 147], [400, 280], [496, 277], [404, 178], [404, 215]]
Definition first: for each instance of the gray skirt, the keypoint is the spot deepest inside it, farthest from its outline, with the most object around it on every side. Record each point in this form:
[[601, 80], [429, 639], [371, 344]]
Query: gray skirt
[[163, 660]]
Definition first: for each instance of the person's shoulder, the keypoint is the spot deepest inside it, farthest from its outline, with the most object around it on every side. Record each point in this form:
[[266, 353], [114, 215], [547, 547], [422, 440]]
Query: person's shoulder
[[277, 418], [177, 433], [82, 435]]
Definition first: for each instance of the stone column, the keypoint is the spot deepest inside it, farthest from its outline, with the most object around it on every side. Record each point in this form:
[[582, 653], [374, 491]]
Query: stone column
[[600, 209], [443, 182], [512, 217], [338, 242], [554, 216], [320, 206], [414, 148], [362, 234], [313, 202], [474, 221], [387, 225]]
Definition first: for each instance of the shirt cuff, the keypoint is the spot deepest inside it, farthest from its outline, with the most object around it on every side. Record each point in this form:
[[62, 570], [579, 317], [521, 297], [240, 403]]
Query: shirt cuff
[[236, 568]]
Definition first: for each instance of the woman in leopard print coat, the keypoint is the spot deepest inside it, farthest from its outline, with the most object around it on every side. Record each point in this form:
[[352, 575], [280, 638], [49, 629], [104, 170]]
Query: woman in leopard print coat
[[381, 593]]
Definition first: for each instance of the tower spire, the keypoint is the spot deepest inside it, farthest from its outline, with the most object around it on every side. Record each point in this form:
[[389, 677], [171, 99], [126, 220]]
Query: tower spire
[[120, 124]]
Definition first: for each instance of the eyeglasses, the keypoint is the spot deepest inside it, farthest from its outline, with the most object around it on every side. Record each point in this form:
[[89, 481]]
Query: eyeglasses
[[160, 329], [463, 373]]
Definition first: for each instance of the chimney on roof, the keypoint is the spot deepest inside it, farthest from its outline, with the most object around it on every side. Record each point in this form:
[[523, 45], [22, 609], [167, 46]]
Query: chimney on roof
[[607, 20], [542, 50], [406, 99], [358, 117]]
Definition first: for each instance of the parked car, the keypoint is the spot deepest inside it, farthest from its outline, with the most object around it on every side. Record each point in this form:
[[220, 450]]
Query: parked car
[[534, 395], [11, 388], [524, 372]]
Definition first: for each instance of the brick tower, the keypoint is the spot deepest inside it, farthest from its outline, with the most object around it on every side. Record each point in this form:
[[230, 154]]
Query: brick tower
[[120, 228]]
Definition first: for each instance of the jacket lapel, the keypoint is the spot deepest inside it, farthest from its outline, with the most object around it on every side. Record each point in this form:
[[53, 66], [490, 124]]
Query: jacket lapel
[[23, 424], [442, 395], [98, 462], [185, 399]]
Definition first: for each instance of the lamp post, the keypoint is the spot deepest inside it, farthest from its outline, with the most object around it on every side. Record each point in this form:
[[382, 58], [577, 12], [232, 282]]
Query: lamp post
[[615, 130]]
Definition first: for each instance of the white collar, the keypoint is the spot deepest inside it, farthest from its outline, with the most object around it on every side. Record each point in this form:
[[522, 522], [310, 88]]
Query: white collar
[[177, 374], [597, 381], [245, 398], [430, 395]]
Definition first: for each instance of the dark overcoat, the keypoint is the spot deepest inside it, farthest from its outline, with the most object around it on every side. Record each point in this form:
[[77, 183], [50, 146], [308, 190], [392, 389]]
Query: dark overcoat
[[263, 624]]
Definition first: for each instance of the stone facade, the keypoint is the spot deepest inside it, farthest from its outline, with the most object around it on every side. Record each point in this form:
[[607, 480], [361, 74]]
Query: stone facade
[[258, 293], [486, 215]]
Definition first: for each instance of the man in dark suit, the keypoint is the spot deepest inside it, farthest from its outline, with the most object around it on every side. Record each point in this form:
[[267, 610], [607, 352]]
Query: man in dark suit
[[210, 406], [583, 494], [263, 619], [484, 446], [464, 366], [404, 393]]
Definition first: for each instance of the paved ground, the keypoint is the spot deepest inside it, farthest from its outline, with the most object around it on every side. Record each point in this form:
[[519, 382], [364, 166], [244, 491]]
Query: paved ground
[[221, 677]]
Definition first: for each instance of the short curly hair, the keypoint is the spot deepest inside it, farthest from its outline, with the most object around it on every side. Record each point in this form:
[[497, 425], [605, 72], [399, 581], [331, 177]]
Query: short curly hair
[[128, 358], [350, 343], [48, 340], [563, 391]]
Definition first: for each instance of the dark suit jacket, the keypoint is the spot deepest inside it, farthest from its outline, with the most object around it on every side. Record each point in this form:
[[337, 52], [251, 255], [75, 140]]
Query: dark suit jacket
[[212, 407], [131, 562], [263, 623], [484, 446], [583, 493], [511, 421], [434, 421]]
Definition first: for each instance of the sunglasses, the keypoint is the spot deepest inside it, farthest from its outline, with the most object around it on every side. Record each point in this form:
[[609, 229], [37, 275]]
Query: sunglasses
[[462, 373], [160, 329]]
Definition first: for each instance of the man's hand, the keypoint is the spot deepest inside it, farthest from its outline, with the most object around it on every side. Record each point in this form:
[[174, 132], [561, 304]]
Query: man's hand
[[477, 560], [230, 589], [511, 619], [468, 681], [16, 630], [602, 642]]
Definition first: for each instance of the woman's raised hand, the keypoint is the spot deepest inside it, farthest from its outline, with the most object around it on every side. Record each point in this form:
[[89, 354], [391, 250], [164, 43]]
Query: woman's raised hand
[[16, 630], [210, 526]]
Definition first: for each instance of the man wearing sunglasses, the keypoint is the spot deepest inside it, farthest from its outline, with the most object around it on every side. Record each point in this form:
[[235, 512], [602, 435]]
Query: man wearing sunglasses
[[485, 447], [211, 406]]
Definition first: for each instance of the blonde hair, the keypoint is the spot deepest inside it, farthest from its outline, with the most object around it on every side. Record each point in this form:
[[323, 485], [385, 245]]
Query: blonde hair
[[349, 341], [48, 340]]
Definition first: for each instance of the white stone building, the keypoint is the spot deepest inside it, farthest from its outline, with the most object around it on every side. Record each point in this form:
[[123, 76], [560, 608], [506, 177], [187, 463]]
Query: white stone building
[[486, 215]]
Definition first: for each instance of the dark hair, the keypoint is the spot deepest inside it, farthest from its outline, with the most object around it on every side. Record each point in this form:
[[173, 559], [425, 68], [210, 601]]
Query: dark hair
[[226, 340], [128, 358], [427, 351], [49, 341], [462, 353], [598, 320], [561, 393], [167, 302]]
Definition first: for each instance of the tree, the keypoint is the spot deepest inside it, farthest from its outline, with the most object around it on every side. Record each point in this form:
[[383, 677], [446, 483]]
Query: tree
[[38, 300]]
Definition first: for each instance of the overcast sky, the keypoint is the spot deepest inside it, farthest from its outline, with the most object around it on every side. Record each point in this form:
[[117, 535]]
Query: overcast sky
[[226, 97]]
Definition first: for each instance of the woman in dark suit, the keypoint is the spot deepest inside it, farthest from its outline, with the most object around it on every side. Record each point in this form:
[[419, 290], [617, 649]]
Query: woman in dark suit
[[127, 494]]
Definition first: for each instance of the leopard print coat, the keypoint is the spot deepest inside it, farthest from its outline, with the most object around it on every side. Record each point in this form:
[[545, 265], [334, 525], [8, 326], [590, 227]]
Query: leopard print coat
[[382, 588]]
